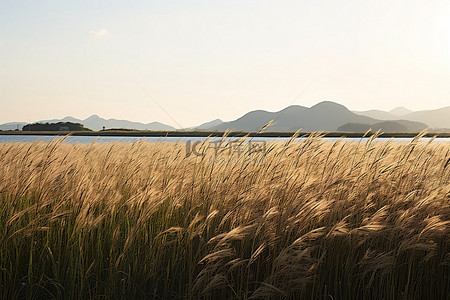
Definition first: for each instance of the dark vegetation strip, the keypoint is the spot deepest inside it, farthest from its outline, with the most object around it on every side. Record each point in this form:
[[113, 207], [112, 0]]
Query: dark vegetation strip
[[145, 133]]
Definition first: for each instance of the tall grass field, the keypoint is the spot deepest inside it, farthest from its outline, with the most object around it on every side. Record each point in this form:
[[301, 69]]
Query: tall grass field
[[309, 219]]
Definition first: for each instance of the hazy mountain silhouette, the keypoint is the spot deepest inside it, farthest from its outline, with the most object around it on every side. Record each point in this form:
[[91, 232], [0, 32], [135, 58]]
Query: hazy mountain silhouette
[[327, 116], [208, 125], [385, 126], [377, 114], [12, 125], [393, 114], [66, 119], [437, 118], [400, 111], [96, 123], [251, 121]]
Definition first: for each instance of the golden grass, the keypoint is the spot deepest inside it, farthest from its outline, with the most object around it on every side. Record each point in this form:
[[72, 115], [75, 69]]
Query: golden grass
[[311, 219]]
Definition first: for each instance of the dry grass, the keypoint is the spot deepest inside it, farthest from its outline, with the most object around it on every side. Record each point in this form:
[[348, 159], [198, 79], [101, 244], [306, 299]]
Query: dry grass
[[311, 219]]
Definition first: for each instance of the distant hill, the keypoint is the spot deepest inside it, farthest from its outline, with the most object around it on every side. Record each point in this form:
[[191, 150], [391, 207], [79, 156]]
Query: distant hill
[[400, 111], [206, 125], [376, 114], [385, 115], [327, 116], [59, 126], [386, 126], [210, 124], [97, 123], [65, 119], [437, 118], [12, 126]]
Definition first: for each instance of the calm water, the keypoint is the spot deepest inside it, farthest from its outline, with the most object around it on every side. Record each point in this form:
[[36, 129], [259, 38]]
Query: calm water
[[129, 139]]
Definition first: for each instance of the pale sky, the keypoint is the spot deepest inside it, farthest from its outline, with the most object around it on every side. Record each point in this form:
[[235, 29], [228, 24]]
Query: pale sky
[[202, 60]]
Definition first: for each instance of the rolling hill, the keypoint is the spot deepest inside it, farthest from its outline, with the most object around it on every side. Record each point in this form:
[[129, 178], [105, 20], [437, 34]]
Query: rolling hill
[[385, 126], [436, 118], [96, 123], [439, 118], [327, 116]]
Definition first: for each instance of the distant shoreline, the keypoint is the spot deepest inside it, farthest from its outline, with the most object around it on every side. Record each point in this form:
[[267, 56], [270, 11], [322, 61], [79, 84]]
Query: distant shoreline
[[268, 134]]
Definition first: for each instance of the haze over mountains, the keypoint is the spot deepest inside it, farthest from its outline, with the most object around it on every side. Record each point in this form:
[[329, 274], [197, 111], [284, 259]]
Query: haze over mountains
[[325, 116], [436, 118], [96, 123]]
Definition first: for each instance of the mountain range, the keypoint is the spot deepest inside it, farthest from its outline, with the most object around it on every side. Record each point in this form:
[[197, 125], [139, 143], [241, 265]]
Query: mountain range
[[96, 123], [325, 116], [436, 118]]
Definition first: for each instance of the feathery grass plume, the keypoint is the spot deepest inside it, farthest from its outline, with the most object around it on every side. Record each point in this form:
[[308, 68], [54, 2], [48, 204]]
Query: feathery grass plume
[[267, 125]]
